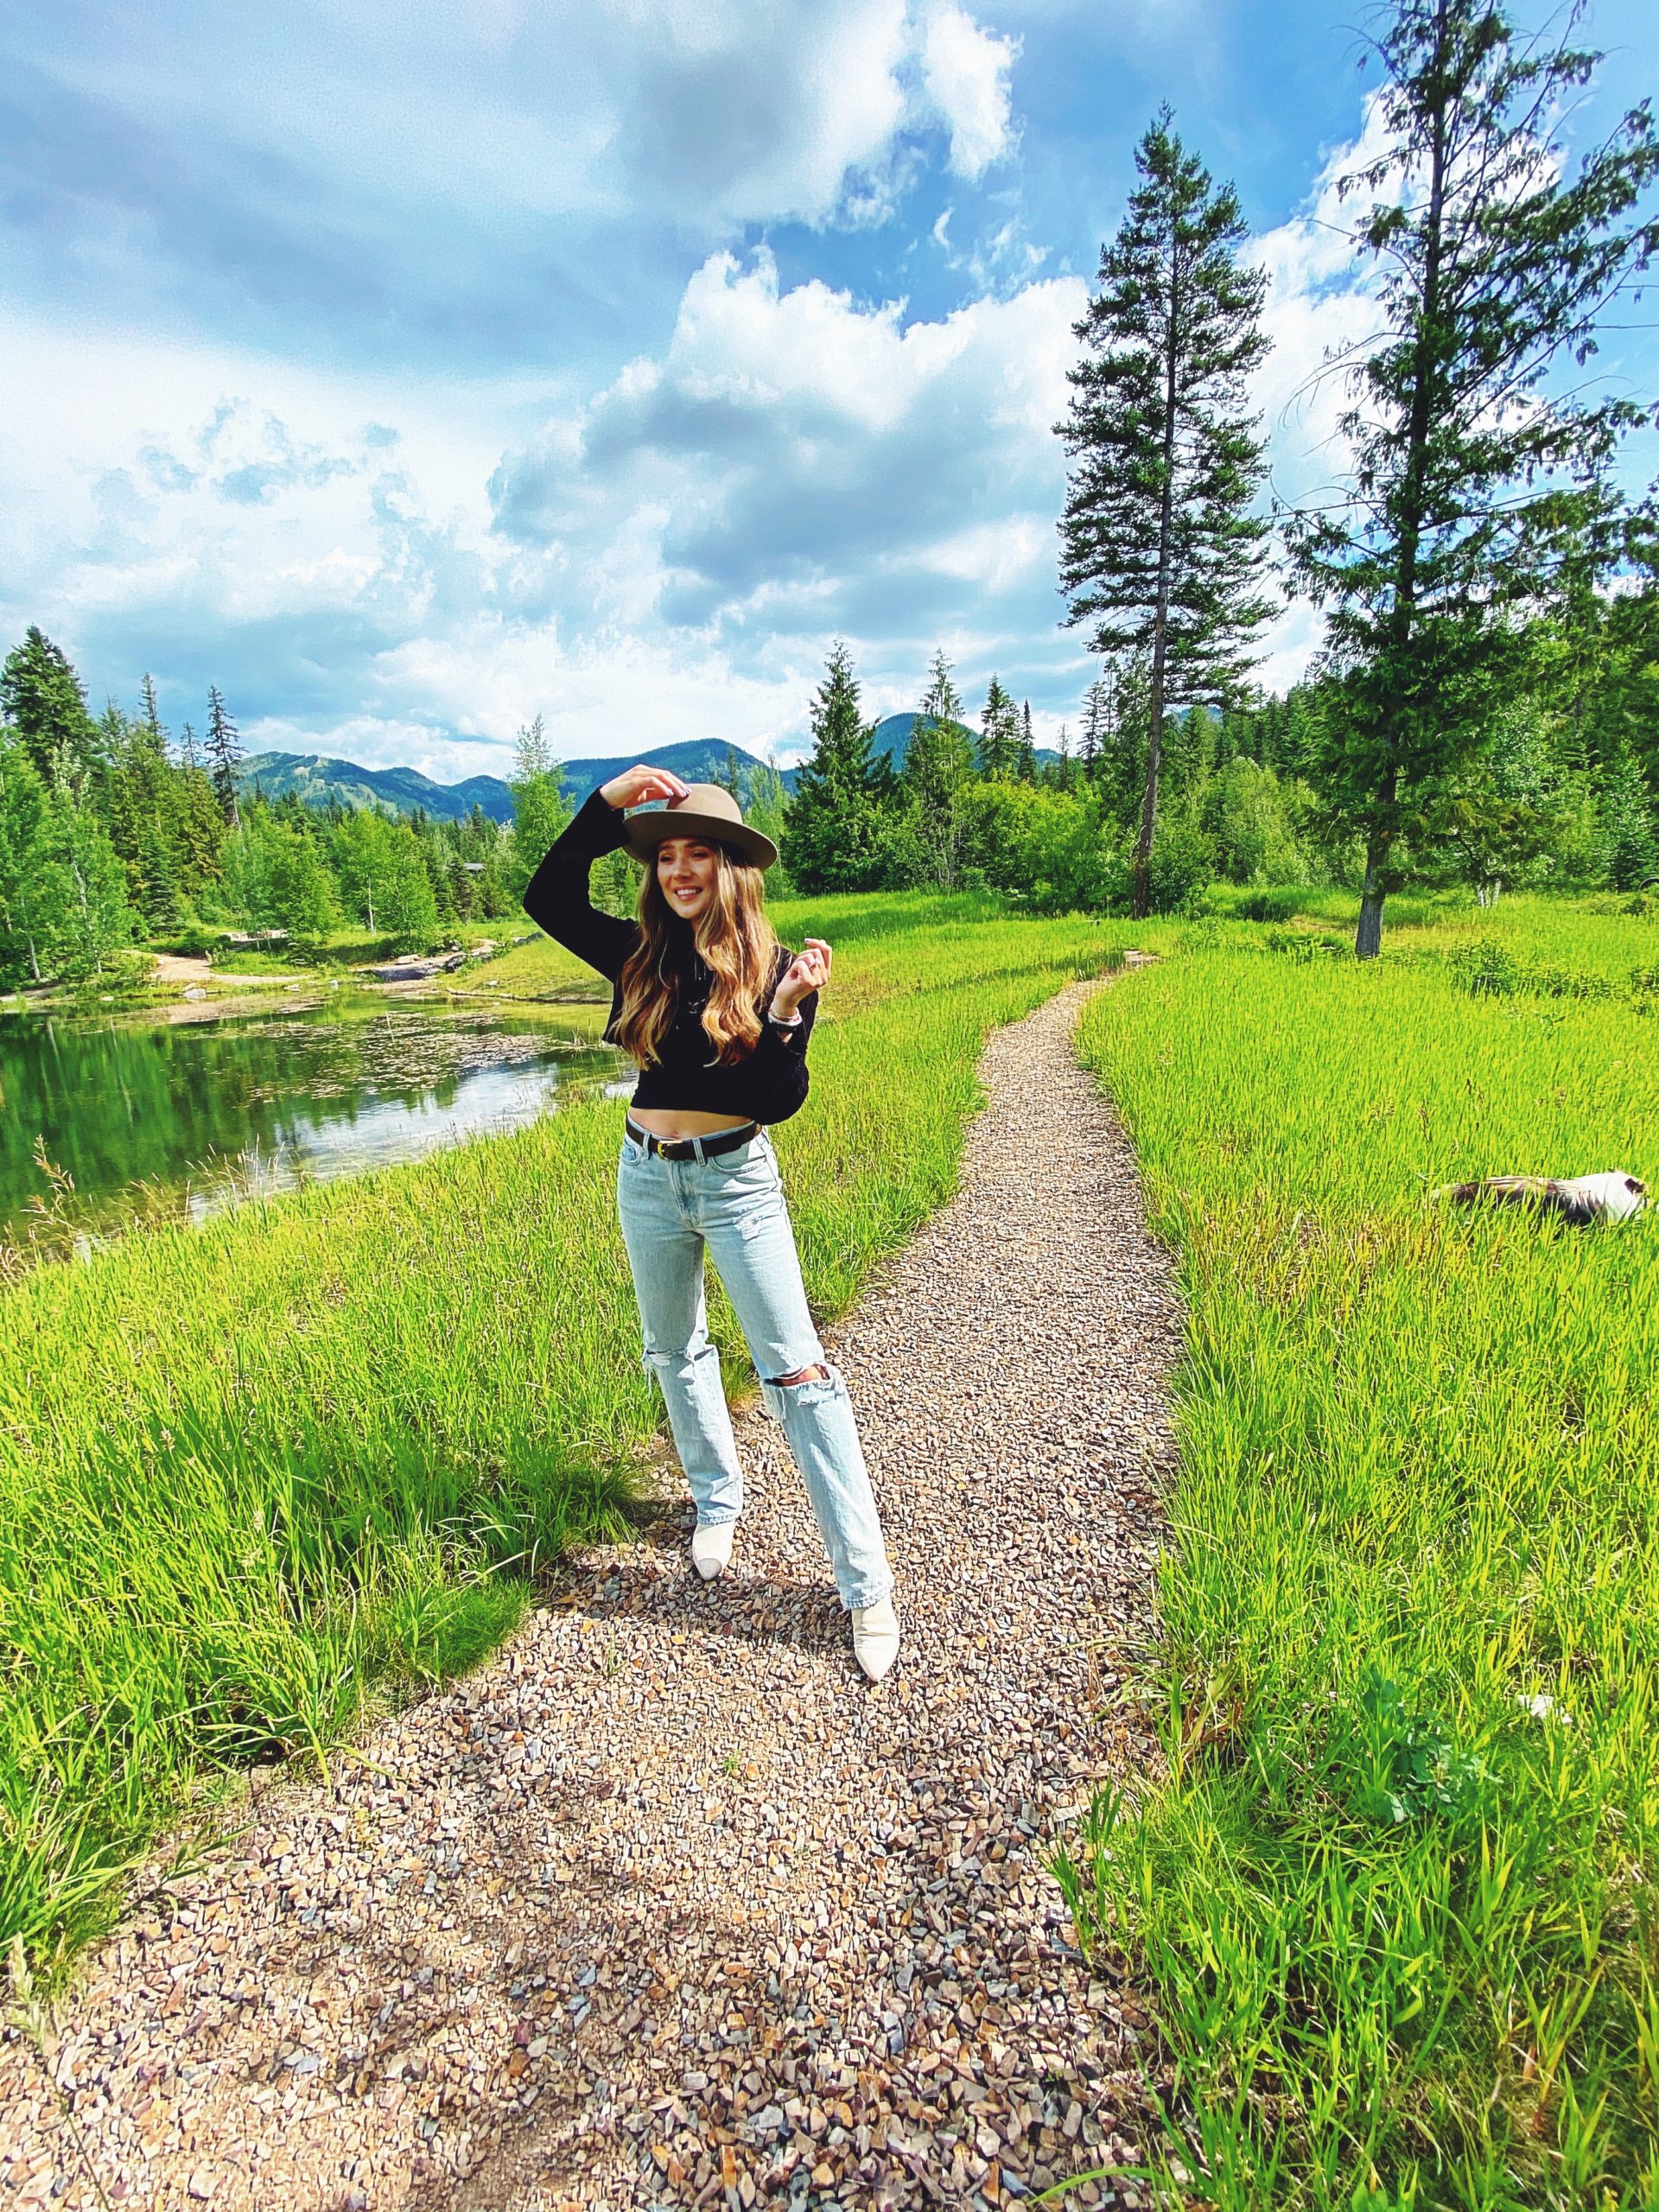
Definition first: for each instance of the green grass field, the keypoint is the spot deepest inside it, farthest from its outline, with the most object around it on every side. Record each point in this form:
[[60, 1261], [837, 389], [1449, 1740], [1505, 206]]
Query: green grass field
[[1393, 1896], [255, 1472], [1603, 943], [1393, 1899]]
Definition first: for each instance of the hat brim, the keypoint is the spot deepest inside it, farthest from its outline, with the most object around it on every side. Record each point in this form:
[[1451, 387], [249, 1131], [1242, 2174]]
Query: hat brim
[[646, 831]]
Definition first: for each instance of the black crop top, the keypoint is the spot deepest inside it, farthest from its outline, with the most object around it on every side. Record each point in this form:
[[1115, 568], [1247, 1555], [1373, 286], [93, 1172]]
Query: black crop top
[[768, 1084]]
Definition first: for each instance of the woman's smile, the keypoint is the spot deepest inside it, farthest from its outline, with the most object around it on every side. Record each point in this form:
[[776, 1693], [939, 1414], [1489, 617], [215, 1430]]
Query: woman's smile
[[686, 871]]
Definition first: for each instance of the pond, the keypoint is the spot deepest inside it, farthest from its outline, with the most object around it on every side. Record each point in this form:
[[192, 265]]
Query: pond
[[181, 1117]]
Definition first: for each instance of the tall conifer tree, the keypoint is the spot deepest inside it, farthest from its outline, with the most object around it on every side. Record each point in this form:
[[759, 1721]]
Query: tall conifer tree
[[41, 696], [1097, 709], [1159, 550], [832, 832], [540, 811], [223, 752], [999, 743], [939, 767], [153, 728], [1025, 764], [1475, 492]]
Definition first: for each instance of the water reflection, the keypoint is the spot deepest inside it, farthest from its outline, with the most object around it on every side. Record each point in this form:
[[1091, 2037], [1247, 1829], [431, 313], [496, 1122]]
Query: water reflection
[[151, 1118]]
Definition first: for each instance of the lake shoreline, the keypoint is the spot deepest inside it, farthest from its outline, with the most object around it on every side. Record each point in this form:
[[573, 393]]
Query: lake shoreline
[[131, 1118]]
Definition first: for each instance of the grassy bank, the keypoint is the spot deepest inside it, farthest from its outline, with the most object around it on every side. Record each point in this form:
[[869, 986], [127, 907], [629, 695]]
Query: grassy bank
[[1394, 1898], [1598, 945], [256, 1471]]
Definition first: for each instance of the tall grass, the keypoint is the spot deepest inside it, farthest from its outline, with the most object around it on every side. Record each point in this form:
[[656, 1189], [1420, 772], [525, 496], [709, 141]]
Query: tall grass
[[1394, 1896], [253, 1471]]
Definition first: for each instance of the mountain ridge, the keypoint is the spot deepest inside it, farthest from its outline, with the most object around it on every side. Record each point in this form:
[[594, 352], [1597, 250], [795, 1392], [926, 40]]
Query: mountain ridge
[[317, 777]]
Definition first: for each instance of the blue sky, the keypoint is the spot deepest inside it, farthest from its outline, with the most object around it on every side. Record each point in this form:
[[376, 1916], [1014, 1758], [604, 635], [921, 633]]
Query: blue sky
[[408, 372]]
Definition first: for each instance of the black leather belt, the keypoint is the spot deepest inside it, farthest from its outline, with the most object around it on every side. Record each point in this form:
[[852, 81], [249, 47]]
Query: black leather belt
[[684, 1148]]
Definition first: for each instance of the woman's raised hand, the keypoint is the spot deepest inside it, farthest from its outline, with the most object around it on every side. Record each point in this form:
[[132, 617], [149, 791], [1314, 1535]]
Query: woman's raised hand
[[808, 971], [636, 785]]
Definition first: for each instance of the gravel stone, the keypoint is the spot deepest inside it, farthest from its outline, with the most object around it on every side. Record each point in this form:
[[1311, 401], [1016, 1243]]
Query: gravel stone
[[663, 1906]]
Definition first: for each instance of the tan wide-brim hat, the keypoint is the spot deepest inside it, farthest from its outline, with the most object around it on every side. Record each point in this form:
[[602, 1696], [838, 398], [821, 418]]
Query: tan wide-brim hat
[[707, 810]]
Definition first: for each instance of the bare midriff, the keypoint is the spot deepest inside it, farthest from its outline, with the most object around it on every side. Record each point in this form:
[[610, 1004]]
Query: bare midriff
[[665, 1122]]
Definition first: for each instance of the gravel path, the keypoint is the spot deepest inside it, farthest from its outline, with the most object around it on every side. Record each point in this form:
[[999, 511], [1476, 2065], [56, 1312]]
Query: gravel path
[[663, 1906]]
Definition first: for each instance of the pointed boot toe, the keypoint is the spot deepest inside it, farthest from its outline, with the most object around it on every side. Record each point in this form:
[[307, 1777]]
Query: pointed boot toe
[[875, 1637], [711, 1548]]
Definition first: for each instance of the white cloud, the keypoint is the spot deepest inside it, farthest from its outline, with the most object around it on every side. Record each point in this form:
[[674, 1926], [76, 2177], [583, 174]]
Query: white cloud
[[797, 458], [1321, 308], [397, 574], [965, 72], [705, 114]]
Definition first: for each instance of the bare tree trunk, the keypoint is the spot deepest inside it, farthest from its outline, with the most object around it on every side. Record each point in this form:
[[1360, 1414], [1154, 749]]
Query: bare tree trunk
[[1368, 940], [1141, 905]]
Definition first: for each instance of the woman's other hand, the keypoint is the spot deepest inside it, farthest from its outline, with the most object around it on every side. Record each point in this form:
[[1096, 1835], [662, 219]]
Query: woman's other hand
[[636, 785], [807, 972]]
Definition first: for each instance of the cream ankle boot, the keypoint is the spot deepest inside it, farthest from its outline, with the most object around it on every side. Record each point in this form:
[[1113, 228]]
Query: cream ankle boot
[[711, 1548], [875, 1637]]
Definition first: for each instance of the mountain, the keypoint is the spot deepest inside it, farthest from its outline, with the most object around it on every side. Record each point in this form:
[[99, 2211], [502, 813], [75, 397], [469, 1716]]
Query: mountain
[[892, 736], [698, 760], [316, 778]]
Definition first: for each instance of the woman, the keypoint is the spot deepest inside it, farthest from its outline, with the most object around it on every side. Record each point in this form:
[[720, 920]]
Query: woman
[[717, 1014]]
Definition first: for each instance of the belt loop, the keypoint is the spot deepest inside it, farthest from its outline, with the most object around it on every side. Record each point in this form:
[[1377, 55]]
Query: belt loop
[[697, 1147]]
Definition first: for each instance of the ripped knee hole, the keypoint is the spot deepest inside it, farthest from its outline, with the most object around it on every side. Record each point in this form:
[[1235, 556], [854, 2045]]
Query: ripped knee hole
[[804, 1374]]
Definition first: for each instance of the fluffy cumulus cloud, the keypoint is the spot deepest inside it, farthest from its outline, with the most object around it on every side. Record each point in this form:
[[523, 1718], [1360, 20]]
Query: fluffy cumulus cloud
[[409, 373], [1322, 313], [671, 556], [401, 183], [798, 461], [325, 341], [966, 71]]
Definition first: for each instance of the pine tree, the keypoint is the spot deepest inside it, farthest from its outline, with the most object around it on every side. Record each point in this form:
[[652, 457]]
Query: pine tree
[[158, 886], [198, 832], [122, 799], [1475, 493], [999, 741], [152, 724], [188, 756], [539, 812], [35, 887], [768, 810], [1026, 762], [1064, 774], [1630, 846], [832, 835], [1159, 549], [941, 702], [1095, 711], [938, 768], [224, 751], [98, 916], [41, 696]]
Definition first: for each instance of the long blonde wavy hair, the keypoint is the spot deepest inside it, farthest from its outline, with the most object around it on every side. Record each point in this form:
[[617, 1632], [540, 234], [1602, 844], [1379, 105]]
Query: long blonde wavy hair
[[733, 937]]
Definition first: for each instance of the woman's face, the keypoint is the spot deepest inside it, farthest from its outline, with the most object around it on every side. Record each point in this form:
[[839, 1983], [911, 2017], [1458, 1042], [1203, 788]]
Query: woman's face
[[686, 869]]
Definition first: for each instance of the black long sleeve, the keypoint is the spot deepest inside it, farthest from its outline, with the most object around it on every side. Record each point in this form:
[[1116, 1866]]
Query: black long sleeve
[[557, 898], [767, 1084]]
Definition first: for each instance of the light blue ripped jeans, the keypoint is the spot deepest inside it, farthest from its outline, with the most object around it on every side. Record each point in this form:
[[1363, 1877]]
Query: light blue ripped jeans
[[731, 1204]]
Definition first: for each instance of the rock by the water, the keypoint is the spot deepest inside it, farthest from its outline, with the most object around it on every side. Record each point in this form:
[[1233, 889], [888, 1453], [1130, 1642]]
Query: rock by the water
[[415, 969]]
